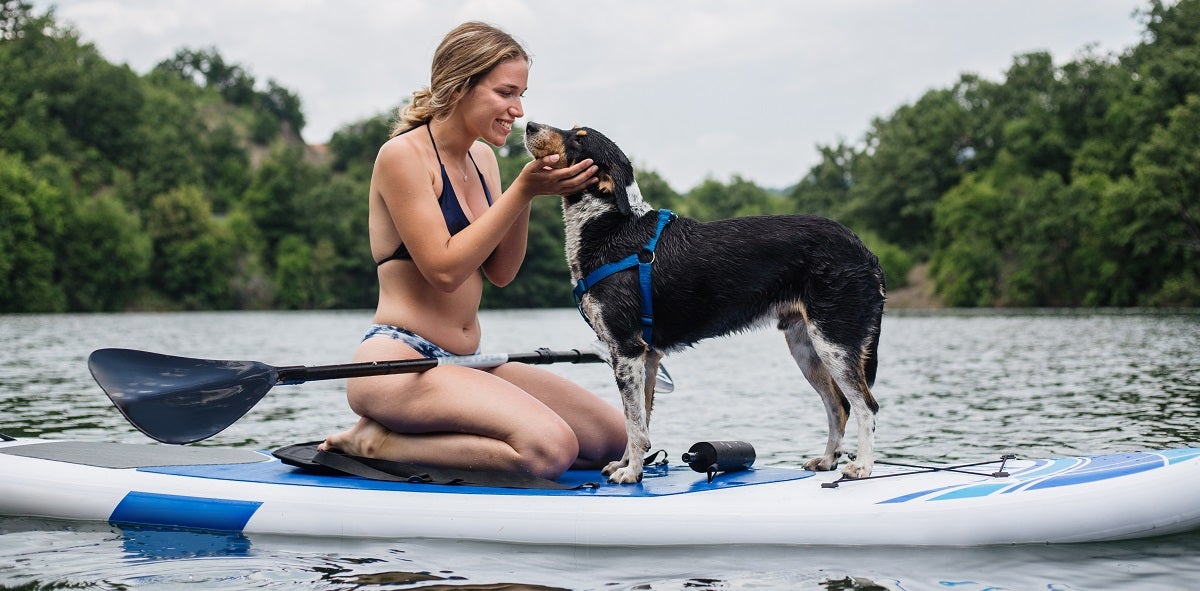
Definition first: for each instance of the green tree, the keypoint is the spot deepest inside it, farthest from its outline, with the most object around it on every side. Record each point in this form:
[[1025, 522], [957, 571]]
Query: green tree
[[656, 191], [193, 261], [252, 286], [31, 222], [304, 274], [915, 156], [105, 259], [1010, 239], [170, 150], [225, 166], [714, 200], [1155, 219], [825, 190], [335, 212], [356, 144], [271, 199]]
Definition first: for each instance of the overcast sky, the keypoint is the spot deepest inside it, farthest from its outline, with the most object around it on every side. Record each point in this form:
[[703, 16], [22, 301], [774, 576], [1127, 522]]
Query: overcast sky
[[689, 88]]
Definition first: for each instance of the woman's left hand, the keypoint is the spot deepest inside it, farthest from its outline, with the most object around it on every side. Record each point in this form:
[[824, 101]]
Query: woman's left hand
[[542, 176]]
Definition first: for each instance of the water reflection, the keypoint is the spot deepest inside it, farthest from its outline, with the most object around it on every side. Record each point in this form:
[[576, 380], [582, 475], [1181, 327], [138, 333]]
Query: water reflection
[[160, 543]]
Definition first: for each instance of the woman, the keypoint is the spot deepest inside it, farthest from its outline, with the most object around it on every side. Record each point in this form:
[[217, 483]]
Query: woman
[[438, 218]]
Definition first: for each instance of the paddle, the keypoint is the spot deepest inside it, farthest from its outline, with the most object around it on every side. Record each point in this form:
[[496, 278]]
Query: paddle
[[183, 400]]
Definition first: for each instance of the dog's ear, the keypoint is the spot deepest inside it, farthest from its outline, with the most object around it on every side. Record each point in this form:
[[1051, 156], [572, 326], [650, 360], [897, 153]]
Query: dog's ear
[[616, 171], [618, 191], [618, 176]]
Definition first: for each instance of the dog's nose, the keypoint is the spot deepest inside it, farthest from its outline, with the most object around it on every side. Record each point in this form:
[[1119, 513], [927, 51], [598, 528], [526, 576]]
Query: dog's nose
[[532, 128]]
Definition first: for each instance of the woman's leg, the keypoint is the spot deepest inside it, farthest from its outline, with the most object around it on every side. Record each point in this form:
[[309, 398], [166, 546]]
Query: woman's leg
[[453, 417], [599, 427]]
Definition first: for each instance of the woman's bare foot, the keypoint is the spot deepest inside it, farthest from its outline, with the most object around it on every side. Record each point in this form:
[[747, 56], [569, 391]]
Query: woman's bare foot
[[364, 439]]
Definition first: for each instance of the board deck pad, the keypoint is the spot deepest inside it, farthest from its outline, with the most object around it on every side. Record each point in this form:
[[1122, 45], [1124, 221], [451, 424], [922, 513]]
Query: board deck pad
[[131, 455]]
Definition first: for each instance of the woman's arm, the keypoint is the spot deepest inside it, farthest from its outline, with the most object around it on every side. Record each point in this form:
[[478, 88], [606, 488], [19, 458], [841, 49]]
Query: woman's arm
[[538, 177], [405, 184]]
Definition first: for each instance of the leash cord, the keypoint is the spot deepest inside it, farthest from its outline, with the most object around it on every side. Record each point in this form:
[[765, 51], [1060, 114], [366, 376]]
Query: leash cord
[[1000, 473]]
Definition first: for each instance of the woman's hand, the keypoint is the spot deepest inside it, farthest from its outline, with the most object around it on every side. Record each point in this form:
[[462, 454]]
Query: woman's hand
[[543, 176]]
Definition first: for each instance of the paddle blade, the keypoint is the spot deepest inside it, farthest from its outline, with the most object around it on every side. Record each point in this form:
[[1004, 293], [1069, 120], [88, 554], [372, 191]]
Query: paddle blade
[[178, 399]]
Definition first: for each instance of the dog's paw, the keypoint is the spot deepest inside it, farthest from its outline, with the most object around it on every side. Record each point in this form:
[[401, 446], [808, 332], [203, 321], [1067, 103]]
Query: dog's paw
[[857, 470], [613, 467], [821, 464], [625, 474]]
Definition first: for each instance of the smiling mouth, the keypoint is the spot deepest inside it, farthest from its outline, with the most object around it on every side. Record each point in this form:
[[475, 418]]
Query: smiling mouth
[[505, 125]]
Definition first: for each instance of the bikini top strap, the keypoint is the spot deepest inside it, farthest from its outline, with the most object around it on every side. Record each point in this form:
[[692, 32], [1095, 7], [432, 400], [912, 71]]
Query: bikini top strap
[[475, 164], [429, 128]]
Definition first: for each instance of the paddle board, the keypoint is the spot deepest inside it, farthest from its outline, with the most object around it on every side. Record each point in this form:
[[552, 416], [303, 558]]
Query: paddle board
[[1021, 500]]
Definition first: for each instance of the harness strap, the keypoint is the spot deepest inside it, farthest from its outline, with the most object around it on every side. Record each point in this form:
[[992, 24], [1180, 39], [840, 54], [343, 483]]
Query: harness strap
[[604, 271]]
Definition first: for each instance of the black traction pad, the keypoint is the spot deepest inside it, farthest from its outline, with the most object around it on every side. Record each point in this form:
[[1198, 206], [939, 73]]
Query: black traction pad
[[132, 455], [307, 457]]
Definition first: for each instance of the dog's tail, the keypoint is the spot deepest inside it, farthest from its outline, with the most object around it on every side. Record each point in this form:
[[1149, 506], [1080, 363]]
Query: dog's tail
[[872, 360]]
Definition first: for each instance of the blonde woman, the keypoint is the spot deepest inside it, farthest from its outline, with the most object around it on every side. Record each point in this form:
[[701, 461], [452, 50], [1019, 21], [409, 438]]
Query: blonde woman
[[438, 225]]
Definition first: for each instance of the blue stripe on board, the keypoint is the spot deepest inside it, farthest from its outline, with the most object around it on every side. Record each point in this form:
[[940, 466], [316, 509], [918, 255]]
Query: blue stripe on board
[[979, 490], [145, 508], [914, 495], [1103, 468], [1175, 456]]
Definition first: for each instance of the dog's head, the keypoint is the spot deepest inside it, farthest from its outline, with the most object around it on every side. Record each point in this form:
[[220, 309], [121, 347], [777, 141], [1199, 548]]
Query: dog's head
[[581, 143]]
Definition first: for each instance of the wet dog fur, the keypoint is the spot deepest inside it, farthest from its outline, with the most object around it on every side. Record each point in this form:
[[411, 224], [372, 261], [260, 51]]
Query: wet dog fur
[[809, 275]]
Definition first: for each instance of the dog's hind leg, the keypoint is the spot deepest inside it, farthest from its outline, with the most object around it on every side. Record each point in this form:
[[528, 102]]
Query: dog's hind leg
[[636, 394], [837, 408], [850, 372]]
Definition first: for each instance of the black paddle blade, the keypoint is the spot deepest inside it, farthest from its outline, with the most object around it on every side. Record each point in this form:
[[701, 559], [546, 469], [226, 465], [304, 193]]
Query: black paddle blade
[[179, 399]]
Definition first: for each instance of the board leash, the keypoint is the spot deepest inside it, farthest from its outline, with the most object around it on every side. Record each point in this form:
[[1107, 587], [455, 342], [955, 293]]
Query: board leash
[[918, 469]]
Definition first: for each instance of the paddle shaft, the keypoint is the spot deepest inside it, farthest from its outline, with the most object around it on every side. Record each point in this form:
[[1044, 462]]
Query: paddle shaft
[[299, 374], [182, 400]]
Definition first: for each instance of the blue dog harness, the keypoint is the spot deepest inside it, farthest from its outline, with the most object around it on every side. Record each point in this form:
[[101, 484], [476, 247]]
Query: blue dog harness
[[664, 217]]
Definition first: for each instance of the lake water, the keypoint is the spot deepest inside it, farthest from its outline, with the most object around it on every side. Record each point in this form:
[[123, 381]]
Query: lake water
[[953, 386]]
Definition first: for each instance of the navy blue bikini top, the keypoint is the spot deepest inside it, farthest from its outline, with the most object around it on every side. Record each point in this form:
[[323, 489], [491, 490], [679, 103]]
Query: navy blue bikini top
[[456, 219]]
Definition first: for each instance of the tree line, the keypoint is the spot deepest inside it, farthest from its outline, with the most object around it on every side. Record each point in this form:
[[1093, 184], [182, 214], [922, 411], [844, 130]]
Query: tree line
[[190, 186]]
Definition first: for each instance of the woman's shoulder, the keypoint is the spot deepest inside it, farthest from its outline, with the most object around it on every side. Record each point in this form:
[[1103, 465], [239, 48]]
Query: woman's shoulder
[[403, 144], [403, 157]]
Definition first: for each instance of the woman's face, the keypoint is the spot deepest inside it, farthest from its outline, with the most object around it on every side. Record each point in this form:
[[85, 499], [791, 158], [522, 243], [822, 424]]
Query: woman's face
[[495, 102]]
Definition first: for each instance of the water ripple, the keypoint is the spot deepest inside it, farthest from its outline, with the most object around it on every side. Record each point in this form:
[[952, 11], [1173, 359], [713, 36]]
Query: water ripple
[[953, 387]]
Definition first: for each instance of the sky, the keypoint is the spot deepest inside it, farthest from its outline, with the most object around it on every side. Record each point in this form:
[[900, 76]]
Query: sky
[[691, 89]]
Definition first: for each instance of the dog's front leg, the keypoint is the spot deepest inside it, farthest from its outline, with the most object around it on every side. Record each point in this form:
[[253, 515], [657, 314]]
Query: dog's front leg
[[631, 381]]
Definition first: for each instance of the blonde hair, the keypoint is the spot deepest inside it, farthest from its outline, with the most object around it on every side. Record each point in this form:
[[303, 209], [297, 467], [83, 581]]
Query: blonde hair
[[464, 57]]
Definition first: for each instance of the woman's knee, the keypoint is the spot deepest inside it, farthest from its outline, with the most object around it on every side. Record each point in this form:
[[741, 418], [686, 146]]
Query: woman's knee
[[549, 450], [360, 397]]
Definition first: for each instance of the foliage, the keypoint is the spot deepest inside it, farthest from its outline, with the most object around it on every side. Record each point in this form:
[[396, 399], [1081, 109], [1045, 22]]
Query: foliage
[[1071, 185], [190, 187], [31, 214]]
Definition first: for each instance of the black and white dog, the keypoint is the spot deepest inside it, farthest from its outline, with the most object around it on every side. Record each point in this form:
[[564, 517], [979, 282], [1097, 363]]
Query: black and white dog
[[650, 283]]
